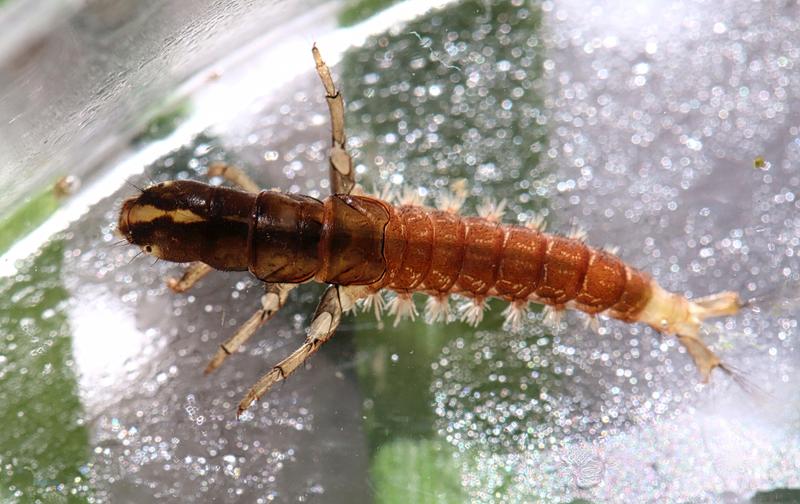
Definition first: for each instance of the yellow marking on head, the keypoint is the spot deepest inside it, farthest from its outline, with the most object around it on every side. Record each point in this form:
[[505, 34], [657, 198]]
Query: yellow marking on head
[[140, 214], [184, 216]]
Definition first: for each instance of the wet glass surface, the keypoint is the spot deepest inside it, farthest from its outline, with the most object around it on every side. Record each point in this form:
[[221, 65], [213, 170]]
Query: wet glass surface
[[76, 77], [645, 125]]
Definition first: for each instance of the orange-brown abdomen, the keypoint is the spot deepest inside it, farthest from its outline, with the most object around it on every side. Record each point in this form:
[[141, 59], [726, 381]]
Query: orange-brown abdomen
[[441, 253]]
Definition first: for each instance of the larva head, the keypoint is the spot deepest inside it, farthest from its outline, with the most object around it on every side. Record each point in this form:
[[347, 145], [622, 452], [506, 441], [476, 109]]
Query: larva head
[[183, 221], [672, 313]]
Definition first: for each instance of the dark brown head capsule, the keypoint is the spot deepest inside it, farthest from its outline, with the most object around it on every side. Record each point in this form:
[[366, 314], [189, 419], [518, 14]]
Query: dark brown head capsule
[[183, 221]]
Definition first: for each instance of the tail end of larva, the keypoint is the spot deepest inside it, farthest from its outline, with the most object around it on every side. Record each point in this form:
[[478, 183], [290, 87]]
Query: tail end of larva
[[706, 361], [717, 305], [720, 304], [674, 314], [685, 322], [704, 358]]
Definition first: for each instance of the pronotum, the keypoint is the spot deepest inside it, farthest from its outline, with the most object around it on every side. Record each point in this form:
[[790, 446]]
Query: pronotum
[[361, 245]]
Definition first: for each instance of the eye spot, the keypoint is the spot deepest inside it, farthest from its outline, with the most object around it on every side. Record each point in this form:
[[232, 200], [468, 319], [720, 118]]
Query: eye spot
[[148, 249]]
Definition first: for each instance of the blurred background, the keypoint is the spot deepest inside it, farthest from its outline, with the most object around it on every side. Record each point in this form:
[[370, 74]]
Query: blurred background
[[667, 128]]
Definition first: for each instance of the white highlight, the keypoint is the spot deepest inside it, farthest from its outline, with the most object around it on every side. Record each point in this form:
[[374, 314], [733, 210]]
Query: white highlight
[[411, 197], [385, 194], [536, 222], [375, 303], [437, 308], [471, 312], [492, 210], [426, 43], [402, 306], [577, 233], [110, 351], [592, 322], [552, 317], [515, 314], [452, 200], [320, 326], [349, 295], [270, 302]]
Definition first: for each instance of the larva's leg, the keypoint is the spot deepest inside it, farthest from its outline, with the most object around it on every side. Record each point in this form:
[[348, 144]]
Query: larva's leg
[[323, 325], [197, 270], [342, 174], [191, 275], [272, 301], [704, 359], [234, 175], [716, 305]]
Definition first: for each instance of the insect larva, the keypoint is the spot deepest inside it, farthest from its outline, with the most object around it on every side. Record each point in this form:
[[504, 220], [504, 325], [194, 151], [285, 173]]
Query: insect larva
[[360, 245]]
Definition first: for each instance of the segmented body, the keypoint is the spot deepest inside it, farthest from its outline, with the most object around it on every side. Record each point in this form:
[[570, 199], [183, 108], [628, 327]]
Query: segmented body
[[359, 240], [362, 245], [440, 253]]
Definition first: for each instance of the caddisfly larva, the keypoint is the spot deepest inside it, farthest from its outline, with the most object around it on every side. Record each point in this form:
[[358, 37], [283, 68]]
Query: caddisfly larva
[[361, 245]]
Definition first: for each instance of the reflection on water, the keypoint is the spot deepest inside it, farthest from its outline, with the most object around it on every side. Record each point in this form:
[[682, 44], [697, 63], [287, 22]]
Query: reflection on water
[[43, 455]]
